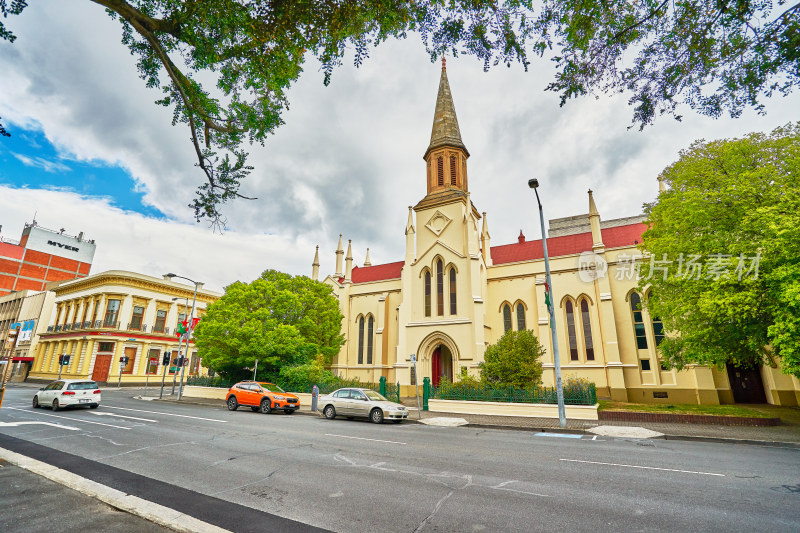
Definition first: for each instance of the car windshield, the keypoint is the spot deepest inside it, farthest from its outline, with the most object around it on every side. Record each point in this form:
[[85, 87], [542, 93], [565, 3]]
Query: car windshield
[[271, 387], [374, 396], [84, 385]]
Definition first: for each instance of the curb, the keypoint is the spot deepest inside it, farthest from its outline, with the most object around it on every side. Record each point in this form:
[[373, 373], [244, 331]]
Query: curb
[[150, 511], [694, 438]]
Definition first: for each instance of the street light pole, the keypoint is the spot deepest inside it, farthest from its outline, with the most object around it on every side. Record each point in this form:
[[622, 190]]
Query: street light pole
[[562, 417], [189, 331]]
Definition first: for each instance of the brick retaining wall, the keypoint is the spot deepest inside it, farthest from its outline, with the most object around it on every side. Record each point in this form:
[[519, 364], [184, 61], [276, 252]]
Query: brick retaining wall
[[635, 416]]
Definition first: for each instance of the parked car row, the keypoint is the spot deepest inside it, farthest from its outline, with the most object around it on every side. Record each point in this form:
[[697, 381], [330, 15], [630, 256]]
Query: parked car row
[[348, 402], [257, 395]]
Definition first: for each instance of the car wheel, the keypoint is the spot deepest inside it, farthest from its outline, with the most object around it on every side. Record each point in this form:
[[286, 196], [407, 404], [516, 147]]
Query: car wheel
[[376, 416], [266, 407], [254, 409], [55, 405], [329, 412], [94, 406], [232, 403], [288, 411], [35, 402]]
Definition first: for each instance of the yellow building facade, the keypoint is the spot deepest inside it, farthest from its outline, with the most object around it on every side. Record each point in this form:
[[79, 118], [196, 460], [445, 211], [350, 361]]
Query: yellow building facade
[[102, 318], [454, 293]]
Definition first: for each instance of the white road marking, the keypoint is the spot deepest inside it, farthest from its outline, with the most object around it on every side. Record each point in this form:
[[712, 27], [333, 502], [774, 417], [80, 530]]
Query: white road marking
[[68, 418], [165, 414], [594, 438], [15, 424], [562, 435], [123, 416], [645, 467], [362, 438]]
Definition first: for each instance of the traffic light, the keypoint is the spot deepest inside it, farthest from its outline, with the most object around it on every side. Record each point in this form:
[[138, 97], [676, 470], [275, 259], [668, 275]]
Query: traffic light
[[165, 360], [65, 359], [124, 359]]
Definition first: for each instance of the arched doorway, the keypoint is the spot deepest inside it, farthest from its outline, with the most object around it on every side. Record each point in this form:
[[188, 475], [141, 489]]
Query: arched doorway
[[441, 365]]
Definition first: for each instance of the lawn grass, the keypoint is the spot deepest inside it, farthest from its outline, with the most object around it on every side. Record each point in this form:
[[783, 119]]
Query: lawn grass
[[686, 409]]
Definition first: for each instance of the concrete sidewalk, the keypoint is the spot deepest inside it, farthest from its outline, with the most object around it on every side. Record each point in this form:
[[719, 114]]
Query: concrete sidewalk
[[787, 434]]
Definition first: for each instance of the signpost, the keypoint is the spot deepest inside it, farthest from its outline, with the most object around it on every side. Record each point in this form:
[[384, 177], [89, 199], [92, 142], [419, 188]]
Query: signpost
[[10, 344], [164, 365], [416, 384], [122, 362]]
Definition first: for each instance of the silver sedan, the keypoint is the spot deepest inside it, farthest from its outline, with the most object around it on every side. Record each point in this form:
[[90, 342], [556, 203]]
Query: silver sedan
[[365, 403]]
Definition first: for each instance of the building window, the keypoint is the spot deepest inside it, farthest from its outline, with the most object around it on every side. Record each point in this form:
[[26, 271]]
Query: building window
[[105, 347], [138, 315], [361, 341], [161, 320], [370, 329], [427, 293], [571, 333], [94, 312], [638, 321], [452, 170], [112, 313], [130, 353], [645, 364], [439, 288], [452, 291], [521, 326], [658, 330], [506, 317], [587, 330], [181, 318], [194, 364], [152, 361], [440, 171]]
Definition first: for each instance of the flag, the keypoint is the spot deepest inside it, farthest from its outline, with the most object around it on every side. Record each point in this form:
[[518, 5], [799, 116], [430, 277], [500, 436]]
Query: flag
[[547, 296]]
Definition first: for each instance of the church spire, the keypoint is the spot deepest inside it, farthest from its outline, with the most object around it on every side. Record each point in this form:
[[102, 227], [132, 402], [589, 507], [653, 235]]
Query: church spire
[[445, 131], [315, 266]]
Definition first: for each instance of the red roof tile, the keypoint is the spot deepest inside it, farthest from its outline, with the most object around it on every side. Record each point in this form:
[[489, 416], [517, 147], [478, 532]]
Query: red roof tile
[[615, 237], [377, 272]]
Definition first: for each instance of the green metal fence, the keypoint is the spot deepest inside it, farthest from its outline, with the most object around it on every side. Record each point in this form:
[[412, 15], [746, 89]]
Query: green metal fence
[[584, 394]]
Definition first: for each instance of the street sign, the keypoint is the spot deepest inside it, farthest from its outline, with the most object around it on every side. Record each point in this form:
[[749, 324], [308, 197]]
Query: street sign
[[413, 358]]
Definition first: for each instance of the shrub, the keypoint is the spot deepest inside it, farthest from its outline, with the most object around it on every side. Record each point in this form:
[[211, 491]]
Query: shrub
[[515, 361]]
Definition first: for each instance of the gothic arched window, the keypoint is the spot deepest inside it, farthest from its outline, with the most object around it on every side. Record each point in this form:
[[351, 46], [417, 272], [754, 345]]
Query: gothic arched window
[[506, 317], [521, 326], [638, 321], [587, 330], [571, 333], [439, 288], [452, 291], [370, 329], [427, 293], [361, 341]]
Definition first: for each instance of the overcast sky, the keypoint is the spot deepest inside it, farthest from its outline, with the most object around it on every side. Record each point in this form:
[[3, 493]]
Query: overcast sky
[[91, 152]]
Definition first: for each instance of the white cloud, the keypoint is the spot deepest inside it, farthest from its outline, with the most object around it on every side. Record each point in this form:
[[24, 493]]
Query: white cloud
[[41, 162], [348, 160]]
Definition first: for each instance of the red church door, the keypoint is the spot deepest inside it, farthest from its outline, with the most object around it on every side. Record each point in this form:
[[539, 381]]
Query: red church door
[[436, 366]]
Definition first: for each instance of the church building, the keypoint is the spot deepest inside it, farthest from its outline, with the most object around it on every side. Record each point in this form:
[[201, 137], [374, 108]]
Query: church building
[[454, 293]]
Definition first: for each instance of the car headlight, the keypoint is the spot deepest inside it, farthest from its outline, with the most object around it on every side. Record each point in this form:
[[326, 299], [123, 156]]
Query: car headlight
[[280, 397], [400, 408]]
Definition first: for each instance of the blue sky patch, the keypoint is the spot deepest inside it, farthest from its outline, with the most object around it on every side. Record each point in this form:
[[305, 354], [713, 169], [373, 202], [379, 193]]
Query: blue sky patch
[[28, 159]]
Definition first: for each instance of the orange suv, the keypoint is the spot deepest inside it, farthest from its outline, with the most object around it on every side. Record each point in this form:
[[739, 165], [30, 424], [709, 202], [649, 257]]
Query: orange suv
[[261, 396]]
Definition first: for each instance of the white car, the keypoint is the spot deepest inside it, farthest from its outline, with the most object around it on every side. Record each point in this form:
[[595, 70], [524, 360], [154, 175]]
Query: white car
[[68, 393]]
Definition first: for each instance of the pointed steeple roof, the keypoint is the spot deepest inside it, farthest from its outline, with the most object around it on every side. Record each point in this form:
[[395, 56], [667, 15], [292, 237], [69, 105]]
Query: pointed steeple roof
[[445, 131]]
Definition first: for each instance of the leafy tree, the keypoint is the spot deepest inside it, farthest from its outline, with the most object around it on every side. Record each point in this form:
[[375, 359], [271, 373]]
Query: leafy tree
[[278, 319], [515, 361], [715, 55], [736, 205]]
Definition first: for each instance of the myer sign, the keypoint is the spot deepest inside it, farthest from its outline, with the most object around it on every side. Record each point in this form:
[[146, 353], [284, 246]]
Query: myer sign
[[64, 246]]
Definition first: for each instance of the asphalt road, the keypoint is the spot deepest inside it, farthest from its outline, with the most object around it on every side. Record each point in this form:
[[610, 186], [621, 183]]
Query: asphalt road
[[353, 476]]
